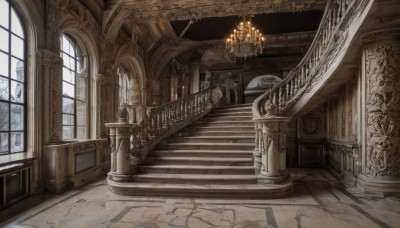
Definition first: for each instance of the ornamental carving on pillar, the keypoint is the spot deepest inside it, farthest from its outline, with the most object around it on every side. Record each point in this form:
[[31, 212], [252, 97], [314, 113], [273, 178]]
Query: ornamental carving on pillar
[[123, 114], [383, 109]]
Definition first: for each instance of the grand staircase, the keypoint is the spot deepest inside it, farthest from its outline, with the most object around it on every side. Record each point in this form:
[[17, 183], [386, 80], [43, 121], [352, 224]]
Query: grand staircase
[[212, 157]]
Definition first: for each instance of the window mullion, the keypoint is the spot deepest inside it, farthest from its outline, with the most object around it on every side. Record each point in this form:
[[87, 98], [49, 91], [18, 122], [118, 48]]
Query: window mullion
[[76, 114], [9, 78]]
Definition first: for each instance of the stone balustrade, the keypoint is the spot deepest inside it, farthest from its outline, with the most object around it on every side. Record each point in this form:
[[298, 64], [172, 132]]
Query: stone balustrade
[[269, 109], [344, 160], [130, 142], [337, 15]]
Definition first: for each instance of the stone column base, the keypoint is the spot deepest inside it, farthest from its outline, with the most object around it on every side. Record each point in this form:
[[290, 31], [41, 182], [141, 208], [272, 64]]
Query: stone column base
[[378, 186], [265, 179], [119, 177]]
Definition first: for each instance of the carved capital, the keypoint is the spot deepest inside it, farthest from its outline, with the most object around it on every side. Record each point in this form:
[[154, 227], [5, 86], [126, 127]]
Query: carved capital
[[47, 57]]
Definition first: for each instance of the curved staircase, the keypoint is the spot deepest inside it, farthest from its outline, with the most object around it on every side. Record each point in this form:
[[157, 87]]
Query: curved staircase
[[212, 157]]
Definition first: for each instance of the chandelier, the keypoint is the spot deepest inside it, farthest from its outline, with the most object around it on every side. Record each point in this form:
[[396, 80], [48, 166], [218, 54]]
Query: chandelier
[[245, 41]]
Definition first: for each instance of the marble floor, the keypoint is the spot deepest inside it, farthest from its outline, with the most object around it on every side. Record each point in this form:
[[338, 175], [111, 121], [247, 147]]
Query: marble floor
[[318, 200]]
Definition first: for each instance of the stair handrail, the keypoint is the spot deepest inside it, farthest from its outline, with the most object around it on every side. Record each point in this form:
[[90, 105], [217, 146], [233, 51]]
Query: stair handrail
[[161, 119], [284, 95], [270, 109], [130, 142]]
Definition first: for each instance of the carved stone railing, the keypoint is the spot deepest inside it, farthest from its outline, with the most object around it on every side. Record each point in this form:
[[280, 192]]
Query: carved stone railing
[[326, 45], [130, 142], [344, 160], [269, 109]]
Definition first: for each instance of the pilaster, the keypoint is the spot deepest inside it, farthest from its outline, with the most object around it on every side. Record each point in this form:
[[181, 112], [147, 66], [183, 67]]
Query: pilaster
[[49, 64]]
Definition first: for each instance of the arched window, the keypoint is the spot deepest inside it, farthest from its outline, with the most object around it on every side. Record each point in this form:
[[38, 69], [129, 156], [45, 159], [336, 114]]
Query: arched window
[[12, 81], [124, 90], [74, 90]]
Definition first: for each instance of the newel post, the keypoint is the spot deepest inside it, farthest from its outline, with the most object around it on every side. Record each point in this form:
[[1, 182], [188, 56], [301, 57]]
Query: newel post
[[120, 133], [270, 146]]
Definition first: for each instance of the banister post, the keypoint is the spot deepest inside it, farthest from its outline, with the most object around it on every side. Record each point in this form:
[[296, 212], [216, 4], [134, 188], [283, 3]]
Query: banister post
[[270, 145], [273, 149], [120, 146]]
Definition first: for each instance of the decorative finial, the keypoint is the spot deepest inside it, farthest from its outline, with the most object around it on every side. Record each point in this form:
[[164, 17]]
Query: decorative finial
[[123, 113]]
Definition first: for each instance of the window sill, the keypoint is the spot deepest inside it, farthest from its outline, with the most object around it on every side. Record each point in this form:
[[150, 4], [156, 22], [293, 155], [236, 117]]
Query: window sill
[[9, 159]]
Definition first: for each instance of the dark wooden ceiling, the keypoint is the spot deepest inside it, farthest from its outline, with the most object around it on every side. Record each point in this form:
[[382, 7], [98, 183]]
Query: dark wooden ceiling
[[216, 28]]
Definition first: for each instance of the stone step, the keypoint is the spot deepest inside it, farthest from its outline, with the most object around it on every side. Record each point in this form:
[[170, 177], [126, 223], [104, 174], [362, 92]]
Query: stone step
[[227, 118], [211, 127], [198, 161], [214, 133], [202, 153], [196, 169], [260, 191], [206, 146], [224, 114], [195, 179], [232, 109], [222, 123], [211, 139], [234, 106]]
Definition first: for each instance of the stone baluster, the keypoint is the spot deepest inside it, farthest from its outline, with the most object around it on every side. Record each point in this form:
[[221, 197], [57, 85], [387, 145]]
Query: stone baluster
[[185, 108], [181, 112], [174, 114], [281, 98], [165, 118], [120, 150], [194, 103], [258, 149], [292, 86], [177, 112], [150, 128], [189, 107], [169, 116], [159, 119], [197, 99], [203, 101], [287, 91], [192, 111]]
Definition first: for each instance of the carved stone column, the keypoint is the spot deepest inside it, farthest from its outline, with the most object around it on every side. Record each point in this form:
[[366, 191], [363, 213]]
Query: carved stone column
[[49, 66], [381, 151], [120, 147], [273, 149]]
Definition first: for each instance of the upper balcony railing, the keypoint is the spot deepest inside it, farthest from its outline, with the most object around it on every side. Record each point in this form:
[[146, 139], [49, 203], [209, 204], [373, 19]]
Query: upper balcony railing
[[284, 95]]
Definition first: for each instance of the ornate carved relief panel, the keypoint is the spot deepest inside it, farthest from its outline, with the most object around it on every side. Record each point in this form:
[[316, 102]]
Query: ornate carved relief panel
[[382, 75]]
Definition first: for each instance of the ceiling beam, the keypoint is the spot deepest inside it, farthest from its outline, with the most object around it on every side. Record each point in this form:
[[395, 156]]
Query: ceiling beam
[[156, 10]]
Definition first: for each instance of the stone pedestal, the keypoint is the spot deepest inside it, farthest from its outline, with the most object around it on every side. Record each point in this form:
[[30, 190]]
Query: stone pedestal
[[271, 145], [120, 147], [381, 74]]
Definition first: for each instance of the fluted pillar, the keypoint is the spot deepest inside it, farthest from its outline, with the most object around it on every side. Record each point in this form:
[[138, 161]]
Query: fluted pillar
[[381, 79]]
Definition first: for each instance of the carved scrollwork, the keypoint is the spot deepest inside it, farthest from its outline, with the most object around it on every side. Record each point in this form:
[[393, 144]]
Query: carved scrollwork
[[383, 109]]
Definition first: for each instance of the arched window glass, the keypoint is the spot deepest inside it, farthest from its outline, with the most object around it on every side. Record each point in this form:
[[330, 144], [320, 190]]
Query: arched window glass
[[12, 81], [124, 91], [74, 92]]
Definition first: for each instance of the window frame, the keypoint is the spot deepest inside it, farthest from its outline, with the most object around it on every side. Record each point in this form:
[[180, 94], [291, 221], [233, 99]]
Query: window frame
[[10, 55], [78, 54]]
